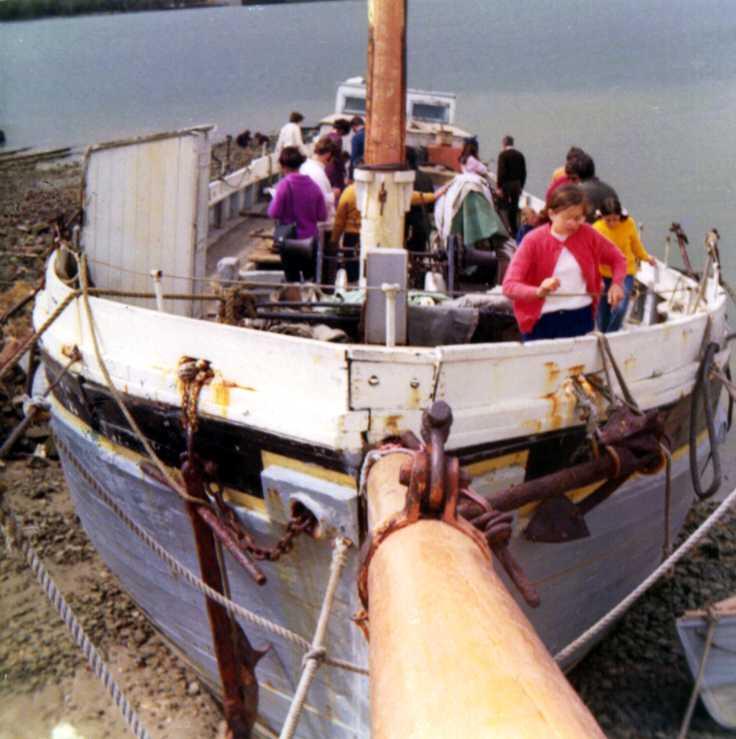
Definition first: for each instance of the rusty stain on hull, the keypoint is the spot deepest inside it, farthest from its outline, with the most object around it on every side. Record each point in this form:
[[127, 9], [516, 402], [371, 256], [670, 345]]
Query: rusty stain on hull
[[392, 426], [554, 419], [552, 375]]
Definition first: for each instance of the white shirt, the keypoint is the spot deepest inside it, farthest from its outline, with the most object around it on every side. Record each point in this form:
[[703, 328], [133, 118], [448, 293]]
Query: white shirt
[[568, 272], [316, 172], [290, 135]]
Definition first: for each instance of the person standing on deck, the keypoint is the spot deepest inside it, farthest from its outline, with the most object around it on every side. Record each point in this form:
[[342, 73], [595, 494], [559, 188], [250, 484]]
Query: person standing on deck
[[619, 228], [291, 134], [562, 257], [510, 179], [595, 190], [470, 159], [315, 167], [335, 169], [297, 200], [357, 144]]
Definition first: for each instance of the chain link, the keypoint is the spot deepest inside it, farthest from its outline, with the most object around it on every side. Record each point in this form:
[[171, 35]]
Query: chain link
[[194, 374]]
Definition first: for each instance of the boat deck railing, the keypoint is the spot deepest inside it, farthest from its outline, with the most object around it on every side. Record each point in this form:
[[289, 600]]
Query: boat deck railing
[[238, 192]]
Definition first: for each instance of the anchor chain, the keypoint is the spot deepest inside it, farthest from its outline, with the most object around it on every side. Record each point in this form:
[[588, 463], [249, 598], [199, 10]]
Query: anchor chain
[[194, 374]]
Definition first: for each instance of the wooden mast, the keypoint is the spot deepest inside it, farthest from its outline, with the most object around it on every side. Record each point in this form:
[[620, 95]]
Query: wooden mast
[[386, 94], [451, 653]]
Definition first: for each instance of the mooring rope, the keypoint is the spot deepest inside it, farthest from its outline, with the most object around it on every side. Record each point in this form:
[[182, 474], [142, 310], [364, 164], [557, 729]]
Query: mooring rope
[[694, 538], [174, 484], [188, 575], [317, 653], [15, 537]]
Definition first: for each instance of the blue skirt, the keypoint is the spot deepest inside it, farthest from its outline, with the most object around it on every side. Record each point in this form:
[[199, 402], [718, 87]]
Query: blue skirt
[[562, 324]]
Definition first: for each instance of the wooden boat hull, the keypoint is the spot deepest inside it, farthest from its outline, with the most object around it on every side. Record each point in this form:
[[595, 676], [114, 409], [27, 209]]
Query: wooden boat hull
[[578, 581], [290, 420]]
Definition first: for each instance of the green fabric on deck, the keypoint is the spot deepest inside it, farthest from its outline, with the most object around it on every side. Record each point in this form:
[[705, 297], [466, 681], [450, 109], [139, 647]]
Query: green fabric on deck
[[477, 220]]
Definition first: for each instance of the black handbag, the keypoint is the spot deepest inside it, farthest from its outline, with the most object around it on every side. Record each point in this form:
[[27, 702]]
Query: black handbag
[[283, 231]]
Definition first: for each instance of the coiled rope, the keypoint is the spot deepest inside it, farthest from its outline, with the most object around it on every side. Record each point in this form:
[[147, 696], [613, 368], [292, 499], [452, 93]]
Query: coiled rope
[[188, 575], [15, 536]]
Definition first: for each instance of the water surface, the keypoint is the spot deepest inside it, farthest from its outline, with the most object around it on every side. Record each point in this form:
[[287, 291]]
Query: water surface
[[648, 87]]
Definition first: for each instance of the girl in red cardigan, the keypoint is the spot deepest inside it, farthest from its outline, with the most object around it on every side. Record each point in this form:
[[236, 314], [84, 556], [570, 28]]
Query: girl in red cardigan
[[554, 280]]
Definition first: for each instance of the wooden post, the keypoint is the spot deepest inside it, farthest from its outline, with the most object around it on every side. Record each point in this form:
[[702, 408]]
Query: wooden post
[[451, 654], [386, 93]]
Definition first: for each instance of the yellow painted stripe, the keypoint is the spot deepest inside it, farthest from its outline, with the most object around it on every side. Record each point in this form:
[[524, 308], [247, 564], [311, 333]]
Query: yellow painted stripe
[[515, 459], [314, 470]]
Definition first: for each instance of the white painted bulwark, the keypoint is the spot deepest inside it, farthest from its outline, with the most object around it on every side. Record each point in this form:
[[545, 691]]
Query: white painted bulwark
[[145, 208]]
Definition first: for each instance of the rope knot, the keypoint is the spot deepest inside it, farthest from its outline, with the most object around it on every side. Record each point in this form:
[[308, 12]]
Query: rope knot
[[318, 655], [187, 369]]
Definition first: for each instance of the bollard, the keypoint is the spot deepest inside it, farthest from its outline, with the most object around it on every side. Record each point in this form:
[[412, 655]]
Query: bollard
[[156, 274]]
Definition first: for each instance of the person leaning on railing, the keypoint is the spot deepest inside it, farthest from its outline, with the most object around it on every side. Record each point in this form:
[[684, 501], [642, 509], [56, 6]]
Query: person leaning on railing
[[554, 277]]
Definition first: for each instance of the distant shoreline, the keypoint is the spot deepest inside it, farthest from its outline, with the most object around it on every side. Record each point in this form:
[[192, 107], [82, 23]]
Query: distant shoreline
[[25, 10]]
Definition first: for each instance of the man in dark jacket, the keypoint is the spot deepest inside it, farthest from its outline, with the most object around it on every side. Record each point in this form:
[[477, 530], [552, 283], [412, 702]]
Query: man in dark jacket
[[510, 180], [596, 191]]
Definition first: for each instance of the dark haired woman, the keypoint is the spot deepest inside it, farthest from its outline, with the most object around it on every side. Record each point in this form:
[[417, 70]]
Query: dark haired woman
[[619, 228], [335, 169], [554, 278], [469, 161], [298, 199]]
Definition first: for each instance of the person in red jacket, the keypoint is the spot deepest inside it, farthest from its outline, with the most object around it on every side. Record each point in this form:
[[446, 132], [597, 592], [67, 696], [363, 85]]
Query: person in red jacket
[[554, 279]]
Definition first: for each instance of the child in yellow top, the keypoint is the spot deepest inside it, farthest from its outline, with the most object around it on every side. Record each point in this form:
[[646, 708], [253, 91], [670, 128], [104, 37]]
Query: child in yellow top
[[347, 221], [620, 229]]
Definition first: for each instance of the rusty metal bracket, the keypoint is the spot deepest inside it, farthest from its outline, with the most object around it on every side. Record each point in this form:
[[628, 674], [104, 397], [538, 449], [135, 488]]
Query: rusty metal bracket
[[434, 481], [630, 443]]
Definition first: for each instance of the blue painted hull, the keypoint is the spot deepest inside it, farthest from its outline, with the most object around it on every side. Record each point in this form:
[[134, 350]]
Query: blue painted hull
[[578, 581]]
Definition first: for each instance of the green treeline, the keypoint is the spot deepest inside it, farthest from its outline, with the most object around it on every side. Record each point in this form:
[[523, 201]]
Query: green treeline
[[11, 10]]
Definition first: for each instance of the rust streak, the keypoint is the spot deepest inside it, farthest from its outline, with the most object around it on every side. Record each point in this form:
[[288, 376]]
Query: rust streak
[[391, 424], [554, 417]]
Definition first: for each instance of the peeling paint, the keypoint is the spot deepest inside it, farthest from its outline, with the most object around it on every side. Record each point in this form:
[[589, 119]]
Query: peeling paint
[[391, 424], [220, 395], [554, 418], [552, 371], [533, 425], [415, 397]]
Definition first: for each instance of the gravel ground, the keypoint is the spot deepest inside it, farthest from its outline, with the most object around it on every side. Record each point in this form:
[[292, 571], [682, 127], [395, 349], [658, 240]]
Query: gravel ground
[[636, 682]]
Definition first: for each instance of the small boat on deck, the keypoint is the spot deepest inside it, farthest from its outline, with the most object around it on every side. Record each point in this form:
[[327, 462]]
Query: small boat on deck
[[584, 444]]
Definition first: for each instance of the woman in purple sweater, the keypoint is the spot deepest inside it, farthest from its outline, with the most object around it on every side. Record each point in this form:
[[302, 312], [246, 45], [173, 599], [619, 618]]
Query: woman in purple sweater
[[298, 199]]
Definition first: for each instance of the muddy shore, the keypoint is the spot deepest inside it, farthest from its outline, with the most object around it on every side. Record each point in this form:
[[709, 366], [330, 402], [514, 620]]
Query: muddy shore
[[636, 682]]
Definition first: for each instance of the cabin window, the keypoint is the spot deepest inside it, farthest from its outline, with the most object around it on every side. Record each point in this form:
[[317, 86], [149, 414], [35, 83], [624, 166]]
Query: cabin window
[[429, 112], [353, 104]]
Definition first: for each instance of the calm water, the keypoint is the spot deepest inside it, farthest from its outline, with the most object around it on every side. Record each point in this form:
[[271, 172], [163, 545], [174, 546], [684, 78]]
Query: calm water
[[647, 86]]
